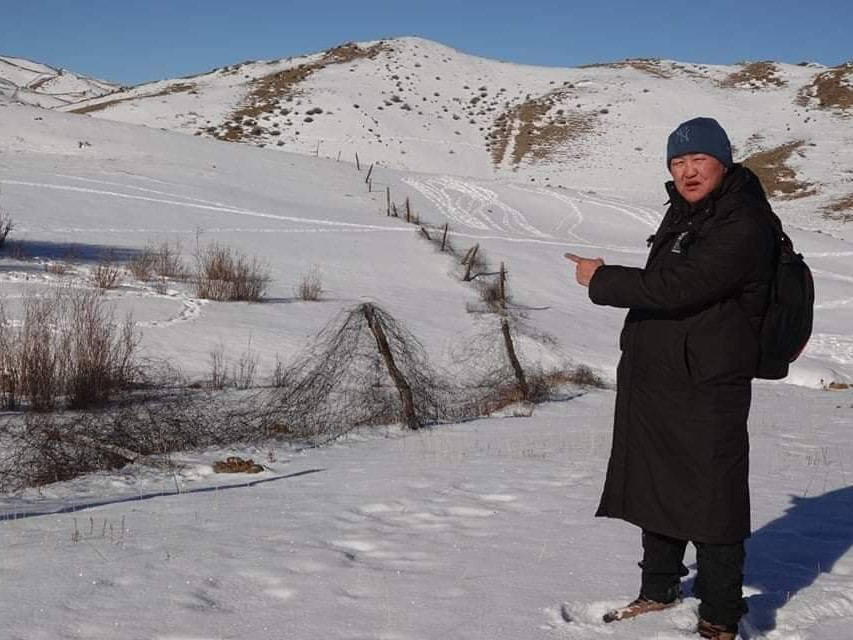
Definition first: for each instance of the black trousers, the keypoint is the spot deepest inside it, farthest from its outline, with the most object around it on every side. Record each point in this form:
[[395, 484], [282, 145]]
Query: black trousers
[[719, 575]]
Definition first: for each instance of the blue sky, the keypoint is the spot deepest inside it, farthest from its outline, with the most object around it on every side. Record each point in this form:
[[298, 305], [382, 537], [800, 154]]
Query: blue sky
[[131, 41]]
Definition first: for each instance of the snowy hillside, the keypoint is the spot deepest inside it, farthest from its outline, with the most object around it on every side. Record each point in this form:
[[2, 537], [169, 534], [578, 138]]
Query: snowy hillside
[[27, 82], [78, 181], [476, 530], [418, 105]]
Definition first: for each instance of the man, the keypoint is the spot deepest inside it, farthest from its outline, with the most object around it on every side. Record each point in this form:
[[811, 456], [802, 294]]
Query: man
[[679, 460]]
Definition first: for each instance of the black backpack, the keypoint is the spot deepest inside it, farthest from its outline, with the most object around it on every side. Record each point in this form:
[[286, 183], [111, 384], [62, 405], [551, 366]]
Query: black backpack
[[787, 325]]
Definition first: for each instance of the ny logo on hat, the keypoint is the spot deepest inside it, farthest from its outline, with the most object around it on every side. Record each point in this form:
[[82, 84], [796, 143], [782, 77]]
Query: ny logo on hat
[[683, 134]]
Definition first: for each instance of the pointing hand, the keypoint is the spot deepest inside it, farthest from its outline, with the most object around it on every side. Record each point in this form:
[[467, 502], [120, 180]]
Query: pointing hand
[[585, 267]]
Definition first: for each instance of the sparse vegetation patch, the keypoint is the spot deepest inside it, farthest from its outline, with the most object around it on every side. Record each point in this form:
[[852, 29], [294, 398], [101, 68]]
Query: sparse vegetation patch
[[754, 75], [534, 132], [267, 92], [832, 89], [651, 66], [776, 176], [226, 275], [178, 87], [840, 209]]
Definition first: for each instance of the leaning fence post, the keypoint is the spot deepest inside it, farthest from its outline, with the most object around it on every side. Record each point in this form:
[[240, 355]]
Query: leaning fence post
[[444, 237], [471, 258], [357, 163], [405, 391], [502, 277], [513, 360], [369, 172]]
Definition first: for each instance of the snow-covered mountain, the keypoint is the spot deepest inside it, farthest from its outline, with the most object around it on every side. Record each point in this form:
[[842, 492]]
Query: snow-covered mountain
[[40, 85], [413, 104]]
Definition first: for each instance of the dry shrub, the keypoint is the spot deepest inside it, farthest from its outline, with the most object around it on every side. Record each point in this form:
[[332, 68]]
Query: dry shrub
[[100, 353], [6, 226], [107, 273], [69, 349], [490, 292], [64, 264], [240, 375], [168, 262], [218, 368], [57, 268], [500, 389], [226, 275], [141, 266], [341, 381], [40, 448], [310, 286], [163, 261]]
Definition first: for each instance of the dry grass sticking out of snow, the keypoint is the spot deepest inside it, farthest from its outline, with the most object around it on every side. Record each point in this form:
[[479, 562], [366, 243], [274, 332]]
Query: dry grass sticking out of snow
[[777, 177]]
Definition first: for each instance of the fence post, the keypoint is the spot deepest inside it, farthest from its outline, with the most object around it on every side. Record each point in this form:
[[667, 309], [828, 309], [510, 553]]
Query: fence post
[[513, 360], [357, 163], [388, 200], [470, 259], [405, 391], [369, 172], [444, 237], [502, 277]]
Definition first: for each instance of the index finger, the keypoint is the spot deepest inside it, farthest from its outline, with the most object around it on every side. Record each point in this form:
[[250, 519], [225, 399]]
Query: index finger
[[573, 257]]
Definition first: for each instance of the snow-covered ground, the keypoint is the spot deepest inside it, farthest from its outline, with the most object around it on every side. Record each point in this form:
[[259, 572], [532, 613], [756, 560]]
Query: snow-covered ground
[[479, 530], [36, 84]]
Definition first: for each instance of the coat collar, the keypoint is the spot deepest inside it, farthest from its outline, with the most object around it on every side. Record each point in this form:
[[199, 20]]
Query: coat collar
[[739, 179]]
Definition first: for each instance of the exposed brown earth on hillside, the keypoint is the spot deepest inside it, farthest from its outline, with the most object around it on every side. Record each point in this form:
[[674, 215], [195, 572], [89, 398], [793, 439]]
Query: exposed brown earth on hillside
[[832, 89], [179, 87], [538, 132], [754, 75], [776, 176], [268, 91], [38, 84], [841, 209], [652, 66]]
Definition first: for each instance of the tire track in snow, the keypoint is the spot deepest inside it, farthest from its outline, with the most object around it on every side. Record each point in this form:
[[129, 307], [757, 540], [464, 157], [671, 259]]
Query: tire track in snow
[[204, 207], [473, 204], [567, 200], [109, 183]]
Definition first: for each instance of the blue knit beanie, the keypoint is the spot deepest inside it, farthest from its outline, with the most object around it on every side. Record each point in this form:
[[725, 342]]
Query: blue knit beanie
[[700, 135]]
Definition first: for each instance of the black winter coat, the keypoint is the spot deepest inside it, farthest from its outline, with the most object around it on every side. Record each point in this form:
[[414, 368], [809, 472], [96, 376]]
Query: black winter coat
[[680, 455]]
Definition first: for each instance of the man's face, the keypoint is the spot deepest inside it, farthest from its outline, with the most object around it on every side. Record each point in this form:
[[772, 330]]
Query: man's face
[[696, 175]]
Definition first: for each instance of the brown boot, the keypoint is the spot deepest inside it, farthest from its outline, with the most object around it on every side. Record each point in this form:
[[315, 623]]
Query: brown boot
[[637, 608], [713, 631]]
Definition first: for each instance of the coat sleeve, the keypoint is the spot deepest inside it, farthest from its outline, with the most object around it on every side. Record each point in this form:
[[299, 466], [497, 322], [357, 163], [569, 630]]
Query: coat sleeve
[[714, 269]]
